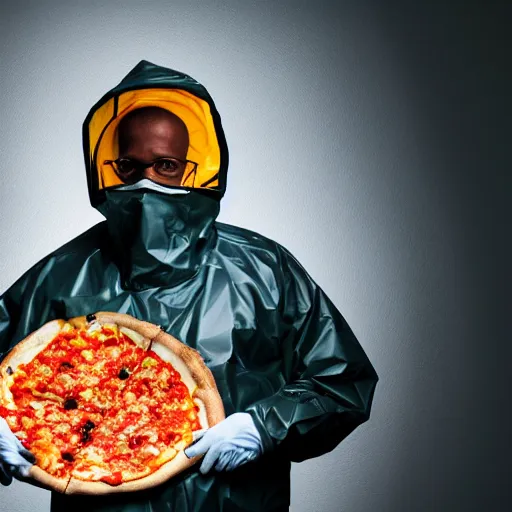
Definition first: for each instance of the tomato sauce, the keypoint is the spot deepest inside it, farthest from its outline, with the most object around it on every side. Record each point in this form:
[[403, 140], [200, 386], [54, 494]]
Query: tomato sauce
[[63, 373]]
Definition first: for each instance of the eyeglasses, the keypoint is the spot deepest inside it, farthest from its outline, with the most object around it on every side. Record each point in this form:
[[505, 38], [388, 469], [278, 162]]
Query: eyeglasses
[[131, 170]]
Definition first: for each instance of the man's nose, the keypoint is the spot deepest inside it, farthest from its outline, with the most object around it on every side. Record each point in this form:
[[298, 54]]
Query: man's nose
[[148, 172]]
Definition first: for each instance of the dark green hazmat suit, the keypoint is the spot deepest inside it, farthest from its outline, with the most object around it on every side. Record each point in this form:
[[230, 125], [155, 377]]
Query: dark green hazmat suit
[[277, 346]]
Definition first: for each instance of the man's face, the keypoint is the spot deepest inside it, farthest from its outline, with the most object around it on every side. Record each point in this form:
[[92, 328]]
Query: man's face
[[151, 134]]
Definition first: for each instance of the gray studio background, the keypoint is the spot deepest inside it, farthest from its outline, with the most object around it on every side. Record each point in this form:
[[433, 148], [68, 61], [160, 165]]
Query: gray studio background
[[365, 138]]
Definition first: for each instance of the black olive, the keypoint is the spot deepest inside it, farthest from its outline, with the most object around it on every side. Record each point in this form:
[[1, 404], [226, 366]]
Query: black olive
[[85, 430], [65, 365], [123, 374], [90, 317], [70, 403], [88, 425], [9, 371], [68, 456]]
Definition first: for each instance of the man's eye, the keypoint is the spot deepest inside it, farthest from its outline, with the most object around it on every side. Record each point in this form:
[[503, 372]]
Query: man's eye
[[126, 166], [166, 166]]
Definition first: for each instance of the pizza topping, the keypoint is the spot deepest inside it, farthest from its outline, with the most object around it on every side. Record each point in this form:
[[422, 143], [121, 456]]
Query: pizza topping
[[27, 422], [151, 450], [41, 387], [85, 430], [123, 374], [89, 425], [110, 342], [78, 342], [47, 394], [95, 326], [70, 403], [148, 362], [87, 394], [86, 436], [130, 397], [101, 379], [87, 355], [68, 457], [62, 428], [137, 338], [65, 379], [90, 317], [9, 370], [166, 455], [136, 441], [122, 447], [114, 479], [44, 370]]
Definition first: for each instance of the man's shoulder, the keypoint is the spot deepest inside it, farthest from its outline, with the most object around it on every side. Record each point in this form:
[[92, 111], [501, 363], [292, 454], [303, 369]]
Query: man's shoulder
[[235, 239], [250, 240], [85, 243], [246, 248], [64, 259], [76, 250], [245, 239]]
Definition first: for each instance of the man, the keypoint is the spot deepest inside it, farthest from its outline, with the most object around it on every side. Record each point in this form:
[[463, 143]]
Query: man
[[293, 378]]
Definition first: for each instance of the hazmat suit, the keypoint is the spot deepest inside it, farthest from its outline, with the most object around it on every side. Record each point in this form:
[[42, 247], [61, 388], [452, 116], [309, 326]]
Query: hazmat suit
[[276, 345]]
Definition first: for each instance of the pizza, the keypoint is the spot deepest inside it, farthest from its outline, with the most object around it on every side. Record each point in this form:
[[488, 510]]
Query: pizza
[[106, 403]]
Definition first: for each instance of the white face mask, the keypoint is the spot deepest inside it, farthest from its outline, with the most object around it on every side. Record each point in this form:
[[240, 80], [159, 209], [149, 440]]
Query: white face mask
[[151, 185]]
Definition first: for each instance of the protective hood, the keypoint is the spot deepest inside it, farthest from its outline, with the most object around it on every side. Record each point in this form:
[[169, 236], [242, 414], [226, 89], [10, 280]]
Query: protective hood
[[150, 85], [158, 237]]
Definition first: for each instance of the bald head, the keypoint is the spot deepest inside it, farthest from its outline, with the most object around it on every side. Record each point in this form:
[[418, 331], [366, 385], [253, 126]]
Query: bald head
[[148, 133]]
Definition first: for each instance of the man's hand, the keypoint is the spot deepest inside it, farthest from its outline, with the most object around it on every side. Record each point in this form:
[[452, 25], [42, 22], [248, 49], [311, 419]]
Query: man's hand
[[15, 460], [229, 444]]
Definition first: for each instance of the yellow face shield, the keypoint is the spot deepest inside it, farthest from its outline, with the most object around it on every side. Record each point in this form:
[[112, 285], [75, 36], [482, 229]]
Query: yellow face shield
[[195, 113]]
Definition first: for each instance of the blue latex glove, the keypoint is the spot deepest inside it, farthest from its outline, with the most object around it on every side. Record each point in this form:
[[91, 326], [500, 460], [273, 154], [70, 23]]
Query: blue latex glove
[[229, 444], [15, 460]]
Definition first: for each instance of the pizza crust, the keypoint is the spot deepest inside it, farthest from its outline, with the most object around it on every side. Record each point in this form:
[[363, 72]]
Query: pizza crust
[[23, 353], [46, 480], [28, 348], [187, 361], [161, 475], [145, 328], [191, 363]]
